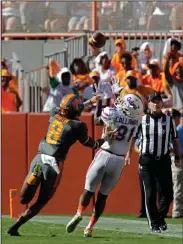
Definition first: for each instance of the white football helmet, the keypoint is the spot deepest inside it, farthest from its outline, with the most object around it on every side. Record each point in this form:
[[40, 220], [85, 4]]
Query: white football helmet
[[131, 105]]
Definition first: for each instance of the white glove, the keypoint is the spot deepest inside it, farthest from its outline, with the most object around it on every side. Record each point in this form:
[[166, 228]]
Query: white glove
[[116, 85]]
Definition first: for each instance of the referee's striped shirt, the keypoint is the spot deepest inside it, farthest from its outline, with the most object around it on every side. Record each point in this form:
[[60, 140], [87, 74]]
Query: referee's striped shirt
[[156, 134]]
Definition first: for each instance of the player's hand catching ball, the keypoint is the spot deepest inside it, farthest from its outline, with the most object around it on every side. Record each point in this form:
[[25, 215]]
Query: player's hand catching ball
[[110, 134]]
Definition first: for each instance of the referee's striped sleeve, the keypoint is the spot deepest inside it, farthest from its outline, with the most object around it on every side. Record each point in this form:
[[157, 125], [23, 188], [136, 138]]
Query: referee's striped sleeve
[[173, 129], [139, 130]]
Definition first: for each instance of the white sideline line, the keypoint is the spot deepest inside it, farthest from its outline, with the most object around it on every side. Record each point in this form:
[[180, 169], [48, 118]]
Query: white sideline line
[[114, 224]]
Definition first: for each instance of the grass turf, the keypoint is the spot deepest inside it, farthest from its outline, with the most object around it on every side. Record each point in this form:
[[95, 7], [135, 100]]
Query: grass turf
[[43, 233]]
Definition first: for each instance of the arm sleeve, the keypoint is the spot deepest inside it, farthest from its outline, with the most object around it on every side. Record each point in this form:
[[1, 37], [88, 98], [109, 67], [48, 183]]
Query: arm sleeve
[[86, 140], [138, 131], [173, 129]]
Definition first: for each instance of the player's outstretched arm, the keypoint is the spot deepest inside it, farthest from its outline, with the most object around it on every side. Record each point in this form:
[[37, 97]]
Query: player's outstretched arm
[[97, 114], [86, 140]]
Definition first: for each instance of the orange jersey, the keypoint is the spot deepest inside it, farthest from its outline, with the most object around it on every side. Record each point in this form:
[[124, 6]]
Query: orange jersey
[[117, 65], [8, 101], [84, 79], [155, 83], [13, 84], [121, 76], [179, 56], [140, 91]]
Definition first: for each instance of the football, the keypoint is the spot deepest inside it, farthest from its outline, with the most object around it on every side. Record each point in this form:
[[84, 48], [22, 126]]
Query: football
[[97, 40]]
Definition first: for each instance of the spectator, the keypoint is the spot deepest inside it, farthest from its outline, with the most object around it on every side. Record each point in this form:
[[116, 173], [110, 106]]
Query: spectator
[[60, 85], [139, 17], [80, 13], [135, 54], [90, 60], [173, 47], [33, 16], [4, 63], [174, 78], [177, 173], [57, 16], [126, 60], [134, 87], [11, 101], [160, 18], [108, 15], [146, 10], [98, 87], [13, 83], [146, 55], [176, 17], [104, 68], [116, 59], [80, 75], [156, 79], [11, 16]]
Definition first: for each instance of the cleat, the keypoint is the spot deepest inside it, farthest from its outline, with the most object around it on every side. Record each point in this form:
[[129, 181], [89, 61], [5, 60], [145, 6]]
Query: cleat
[[71, 226], [13, 232], [88, 233], [156, 229], [163, 225]]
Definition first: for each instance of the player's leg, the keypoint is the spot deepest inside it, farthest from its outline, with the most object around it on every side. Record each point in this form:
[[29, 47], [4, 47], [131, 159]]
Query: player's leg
[[48, 188], [94, 176], [112, 175], [49, 183], [28, 191]]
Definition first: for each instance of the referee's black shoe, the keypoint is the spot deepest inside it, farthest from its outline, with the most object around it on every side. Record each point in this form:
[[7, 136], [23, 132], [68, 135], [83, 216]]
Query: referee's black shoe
[[163, 225], [155, 229]]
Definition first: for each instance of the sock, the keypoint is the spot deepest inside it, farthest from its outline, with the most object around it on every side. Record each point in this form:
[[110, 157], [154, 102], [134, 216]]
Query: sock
[[80, 209], [22, 220], [92, 222]]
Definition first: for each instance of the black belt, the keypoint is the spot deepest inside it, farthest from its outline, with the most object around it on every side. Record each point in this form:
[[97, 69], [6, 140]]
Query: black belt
[[122, 155], [155, 157]]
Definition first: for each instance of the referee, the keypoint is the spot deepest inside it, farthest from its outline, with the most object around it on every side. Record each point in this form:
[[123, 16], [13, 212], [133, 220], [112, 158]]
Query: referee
[[157, 130]]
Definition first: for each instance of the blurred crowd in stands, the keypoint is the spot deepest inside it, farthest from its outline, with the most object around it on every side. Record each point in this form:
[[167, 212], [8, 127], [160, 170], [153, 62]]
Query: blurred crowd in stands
[[55, 16], [136, 71]]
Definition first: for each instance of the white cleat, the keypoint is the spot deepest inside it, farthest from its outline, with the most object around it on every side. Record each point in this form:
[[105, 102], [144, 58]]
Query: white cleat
[[71, 226], [88, 233]]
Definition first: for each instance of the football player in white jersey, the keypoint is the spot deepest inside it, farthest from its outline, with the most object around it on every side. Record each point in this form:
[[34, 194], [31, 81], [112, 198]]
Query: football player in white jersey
[[109, 161]]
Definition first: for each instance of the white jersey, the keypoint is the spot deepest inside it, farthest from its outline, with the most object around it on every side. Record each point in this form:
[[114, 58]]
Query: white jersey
[[127, 128]]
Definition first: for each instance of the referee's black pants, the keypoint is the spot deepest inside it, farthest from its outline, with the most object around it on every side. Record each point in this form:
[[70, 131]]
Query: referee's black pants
[[142, 201], [153, 171]]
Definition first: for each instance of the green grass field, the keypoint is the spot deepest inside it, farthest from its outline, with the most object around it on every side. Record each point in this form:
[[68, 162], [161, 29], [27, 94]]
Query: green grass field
[[110, 229]]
